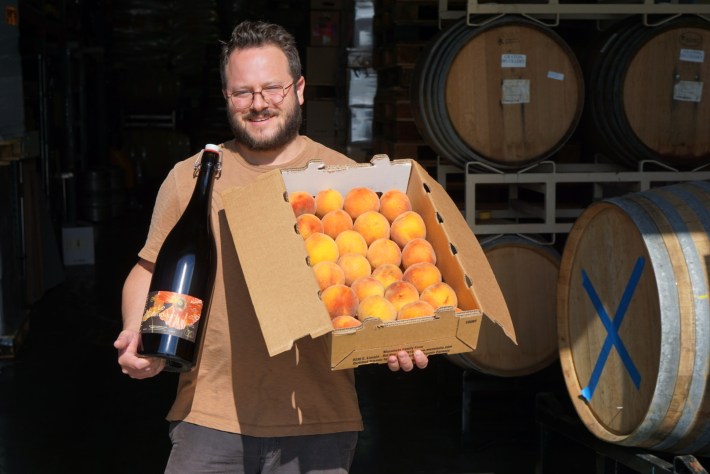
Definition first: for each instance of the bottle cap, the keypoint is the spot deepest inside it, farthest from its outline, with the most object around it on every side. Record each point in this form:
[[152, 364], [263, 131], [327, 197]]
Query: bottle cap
[[212, 147]]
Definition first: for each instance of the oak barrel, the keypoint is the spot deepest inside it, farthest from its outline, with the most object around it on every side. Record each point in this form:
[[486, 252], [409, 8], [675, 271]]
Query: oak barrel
[[527, 273], [508, 94], [634, 318], [645, 97]]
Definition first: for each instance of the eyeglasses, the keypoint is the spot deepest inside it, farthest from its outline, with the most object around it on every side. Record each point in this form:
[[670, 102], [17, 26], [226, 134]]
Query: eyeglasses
[[272, 95]]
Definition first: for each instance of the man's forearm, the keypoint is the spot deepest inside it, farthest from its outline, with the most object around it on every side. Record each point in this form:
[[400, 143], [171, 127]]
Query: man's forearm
[[135, 291]]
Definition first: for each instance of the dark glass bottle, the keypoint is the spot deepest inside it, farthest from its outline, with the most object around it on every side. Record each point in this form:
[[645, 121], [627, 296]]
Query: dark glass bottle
[[183, 277]]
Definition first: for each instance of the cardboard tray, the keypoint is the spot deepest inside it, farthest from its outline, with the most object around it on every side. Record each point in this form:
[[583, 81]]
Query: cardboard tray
[[284, 290]]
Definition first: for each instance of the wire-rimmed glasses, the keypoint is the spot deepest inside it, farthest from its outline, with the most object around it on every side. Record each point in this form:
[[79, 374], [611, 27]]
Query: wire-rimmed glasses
[[272, 95]]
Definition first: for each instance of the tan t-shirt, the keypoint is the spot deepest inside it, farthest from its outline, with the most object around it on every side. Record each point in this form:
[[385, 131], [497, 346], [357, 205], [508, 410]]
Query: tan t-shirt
[[236, 386]]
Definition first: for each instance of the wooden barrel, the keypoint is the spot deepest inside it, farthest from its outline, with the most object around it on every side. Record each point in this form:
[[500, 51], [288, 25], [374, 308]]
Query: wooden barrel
[[527, 274], [634, 318], [508, 94], [645, 96]]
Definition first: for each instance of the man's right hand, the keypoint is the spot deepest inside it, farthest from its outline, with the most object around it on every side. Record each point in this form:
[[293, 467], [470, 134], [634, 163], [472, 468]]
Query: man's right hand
[[131, 364]]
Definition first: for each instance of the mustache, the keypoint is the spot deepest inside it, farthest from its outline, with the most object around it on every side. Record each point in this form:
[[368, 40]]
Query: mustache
[[264, 114]]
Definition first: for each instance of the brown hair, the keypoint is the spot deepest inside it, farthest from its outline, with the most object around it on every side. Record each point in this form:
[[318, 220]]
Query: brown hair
[[254, 34]]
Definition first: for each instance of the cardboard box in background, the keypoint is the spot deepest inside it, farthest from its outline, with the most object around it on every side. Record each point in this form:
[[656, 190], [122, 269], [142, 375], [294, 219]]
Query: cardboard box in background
[[325, 28], [78, 245], [327, 4], [290, 308], [322, 65], [321, 117]]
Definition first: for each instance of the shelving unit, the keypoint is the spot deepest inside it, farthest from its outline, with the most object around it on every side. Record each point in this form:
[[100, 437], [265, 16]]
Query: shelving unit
[[545, 214]]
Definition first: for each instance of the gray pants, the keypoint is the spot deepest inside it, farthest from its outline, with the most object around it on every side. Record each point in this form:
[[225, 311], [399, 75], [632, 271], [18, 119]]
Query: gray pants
[[197, 449]]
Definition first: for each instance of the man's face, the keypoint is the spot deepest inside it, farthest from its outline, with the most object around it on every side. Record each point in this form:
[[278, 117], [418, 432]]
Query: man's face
[[263, 126]]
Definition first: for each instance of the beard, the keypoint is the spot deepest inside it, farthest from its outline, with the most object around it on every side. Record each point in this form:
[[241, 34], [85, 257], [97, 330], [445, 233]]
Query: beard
[[282, 136]]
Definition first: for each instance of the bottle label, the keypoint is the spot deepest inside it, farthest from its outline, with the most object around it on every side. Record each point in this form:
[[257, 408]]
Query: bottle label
[[172, 313]]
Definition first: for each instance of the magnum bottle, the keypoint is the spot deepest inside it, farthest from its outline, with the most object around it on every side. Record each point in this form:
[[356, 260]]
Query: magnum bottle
[[183, 277]]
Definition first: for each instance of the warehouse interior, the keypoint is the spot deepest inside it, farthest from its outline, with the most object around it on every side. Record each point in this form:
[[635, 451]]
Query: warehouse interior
[[100, 98]]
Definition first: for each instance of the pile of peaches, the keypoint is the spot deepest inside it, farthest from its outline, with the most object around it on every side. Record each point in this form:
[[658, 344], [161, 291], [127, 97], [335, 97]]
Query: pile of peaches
[[370, 255]]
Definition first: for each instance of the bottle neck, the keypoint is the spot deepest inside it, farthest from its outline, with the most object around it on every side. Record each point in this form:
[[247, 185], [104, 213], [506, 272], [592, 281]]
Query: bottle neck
[[201, 200]]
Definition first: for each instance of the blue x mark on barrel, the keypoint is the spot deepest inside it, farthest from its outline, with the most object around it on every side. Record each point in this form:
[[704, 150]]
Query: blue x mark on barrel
[[612, 338]]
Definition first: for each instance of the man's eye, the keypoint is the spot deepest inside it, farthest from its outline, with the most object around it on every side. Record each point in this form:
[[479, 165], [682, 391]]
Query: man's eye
[[241, 94]]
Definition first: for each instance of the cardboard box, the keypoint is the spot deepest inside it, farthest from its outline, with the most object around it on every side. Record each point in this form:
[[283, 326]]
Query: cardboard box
[[78, 245], [327, 4], [289, 307], [322, 65], [325, 28], [321, 117]]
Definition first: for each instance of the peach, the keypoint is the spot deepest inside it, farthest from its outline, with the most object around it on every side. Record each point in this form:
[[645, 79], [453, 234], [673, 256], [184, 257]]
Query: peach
[[345, 321], [387, 274], [409, 225], [307, 224], [302, 203], [416, 251], [349, 241], [354, 266], [361, 200], [328, 200], [393, 203], [336, 222], [376, 306], [422, 275], [328, 274], [372, 226], [367, 286], [339, 300], [415, 309], [383, 251], [321, 247], [439, 294], [400, 293]]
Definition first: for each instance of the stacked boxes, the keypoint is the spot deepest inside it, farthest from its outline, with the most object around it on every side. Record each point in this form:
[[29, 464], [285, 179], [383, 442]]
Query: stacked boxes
[[324, 71]]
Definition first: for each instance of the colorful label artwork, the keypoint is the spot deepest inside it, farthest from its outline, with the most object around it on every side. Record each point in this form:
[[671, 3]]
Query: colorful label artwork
[[172, 313]]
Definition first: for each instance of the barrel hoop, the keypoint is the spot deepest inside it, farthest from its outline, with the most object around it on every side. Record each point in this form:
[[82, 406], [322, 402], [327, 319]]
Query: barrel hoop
[[676, 425]]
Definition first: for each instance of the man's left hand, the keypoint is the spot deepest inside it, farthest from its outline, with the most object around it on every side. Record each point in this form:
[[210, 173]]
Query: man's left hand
[[402, 361]]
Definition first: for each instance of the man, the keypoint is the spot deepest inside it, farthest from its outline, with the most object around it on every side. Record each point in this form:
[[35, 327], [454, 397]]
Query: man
[[240, 410]]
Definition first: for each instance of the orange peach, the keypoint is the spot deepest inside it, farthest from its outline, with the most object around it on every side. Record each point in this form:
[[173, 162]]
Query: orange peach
[[393, 203], [383, 251], [376, 306], [345, 321], [360, 200], [350, 241], [302, 203], [422, 275], [321, 247], [439, 294], [328, 200], [400, 293], [328, 274], [339, 300], [307, 224], [409, 225], [416, 251], [367, 286], [354, 266], [415, 309], [372, 226], [336, 222], [387, 274]]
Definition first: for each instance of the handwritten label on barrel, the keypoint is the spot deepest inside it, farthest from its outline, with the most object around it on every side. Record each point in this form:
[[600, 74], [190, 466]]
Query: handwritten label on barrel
[[512, 60], [688, 91], [515, 91]]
